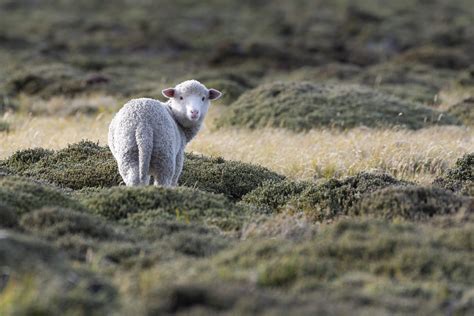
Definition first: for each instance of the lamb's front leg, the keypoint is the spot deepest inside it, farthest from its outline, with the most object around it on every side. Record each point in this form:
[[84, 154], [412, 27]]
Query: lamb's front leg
[[178, 168]]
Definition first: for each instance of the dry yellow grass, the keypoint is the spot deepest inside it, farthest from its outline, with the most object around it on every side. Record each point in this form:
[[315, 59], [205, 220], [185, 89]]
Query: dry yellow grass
[[412, 155]]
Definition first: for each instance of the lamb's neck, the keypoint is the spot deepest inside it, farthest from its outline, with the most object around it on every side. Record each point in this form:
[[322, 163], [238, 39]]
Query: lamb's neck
[[189, 131]]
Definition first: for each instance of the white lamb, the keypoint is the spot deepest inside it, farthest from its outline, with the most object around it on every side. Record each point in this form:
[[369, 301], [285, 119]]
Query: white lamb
[[147, 137]]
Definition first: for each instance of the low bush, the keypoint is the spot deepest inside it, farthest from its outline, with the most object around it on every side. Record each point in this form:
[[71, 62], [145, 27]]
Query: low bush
[[301, 106], [143, 204], [23, 195], [234, 179], [460, 177], [55, 222], [336, 197], [410, 202], [464, 111], [273, 195]]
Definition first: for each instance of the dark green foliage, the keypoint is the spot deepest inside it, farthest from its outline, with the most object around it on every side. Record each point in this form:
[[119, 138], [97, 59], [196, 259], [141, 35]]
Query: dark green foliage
[[232, 178], [411, 203], [392, 251], [275, 194], [149, 203], [407, 80], [460, 177], [23, 160], [302, 106], [80, 165], [51, 80], [54, 222], [47, 285], [464, 111], [86, 164], [336, 197], [8, 216], [23, 195]]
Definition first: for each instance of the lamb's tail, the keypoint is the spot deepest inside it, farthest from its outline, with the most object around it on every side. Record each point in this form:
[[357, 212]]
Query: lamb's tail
[[144, 137]]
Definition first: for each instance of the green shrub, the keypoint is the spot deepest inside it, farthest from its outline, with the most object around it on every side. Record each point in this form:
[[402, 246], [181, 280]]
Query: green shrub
[[273, 195], [80, 165], [232, 178], [51, 80], [464, 111], [23, 195], [142, 204], [54, 222], [23, 160], [86, 164], [409, 202], [300, 106], [47, 284], [8, 216], [410, 81], [398, 252], [460, 178], [336, 197]]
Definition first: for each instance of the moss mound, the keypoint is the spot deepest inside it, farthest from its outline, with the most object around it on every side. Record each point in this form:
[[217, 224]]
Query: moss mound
[[37, 280], [232, 178], [23, 195], [86, 165], [54, 222], [407, 80], [410, 202], [464, 111], [336, 197], [274, 195], [460, 178], [50, 80], [302, 106], [22, 160], [140, 204], [80, 165], [391, 251]]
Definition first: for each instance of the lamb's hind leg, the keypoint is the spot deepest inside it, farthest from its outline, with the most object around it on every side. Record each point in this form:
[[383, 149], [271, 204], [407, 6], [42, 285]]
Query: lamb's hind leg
[[162, 169], [178, 169], [129, 168]]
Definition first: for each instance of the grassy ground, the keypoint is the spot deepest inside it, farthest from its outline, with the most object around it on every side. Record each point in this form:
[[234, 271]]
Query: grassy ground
[[336, 176], [412, 155]]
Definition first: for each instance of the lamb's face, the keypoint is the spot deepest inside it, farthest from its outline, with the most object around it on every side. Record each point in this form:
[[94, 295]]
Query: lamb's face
[[191, 99]]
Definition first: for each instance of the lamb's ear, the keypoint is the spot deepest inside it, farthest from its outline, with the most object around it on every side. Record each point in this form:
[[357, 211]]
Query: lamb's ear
[[169, 93], [214, 94]]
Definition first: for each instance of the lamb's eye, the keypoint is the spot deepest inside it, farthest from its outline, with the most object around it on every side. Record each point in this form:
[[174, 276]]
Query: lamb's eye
[[181, 98], [203, 98]]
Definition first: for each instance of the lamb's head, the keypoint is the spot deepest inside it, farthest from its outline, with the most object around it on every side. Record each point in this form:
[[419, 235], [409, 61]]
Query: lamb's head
[[190, 100]]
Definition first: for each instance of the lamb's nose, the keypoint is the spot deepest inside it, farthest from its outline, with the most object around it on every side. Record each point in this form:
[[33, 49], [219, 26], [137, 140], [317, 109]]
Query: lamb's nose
[[195, 112]]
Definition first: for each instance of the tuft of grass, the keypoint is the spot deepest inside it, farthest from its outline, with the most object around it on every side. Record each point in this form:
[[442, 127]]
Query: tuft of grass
[[301, 106]]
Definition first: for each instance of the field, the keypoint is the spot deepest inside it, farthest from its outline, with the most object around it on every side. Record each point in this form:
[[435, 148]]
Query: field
[[335, 176]]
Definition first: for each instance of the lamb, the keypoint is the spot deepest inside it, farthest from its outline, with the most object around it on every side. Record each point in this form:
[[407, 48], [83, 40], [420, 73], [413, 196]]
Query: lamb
[[148, 137]]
